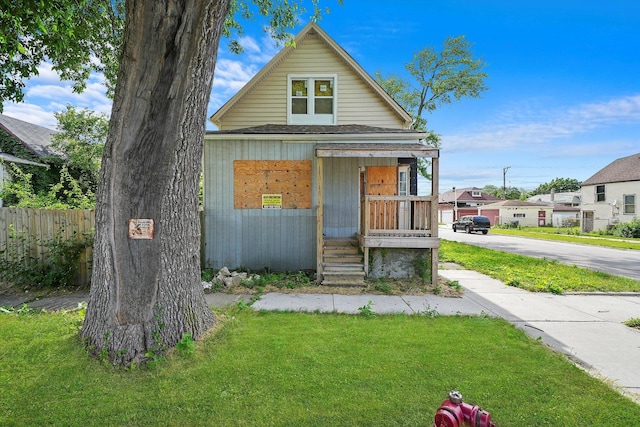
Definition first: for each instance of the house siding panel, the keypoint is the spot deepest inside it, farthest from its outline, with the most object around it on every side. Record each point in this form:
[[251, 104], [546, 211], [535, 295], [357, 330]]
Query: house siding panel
[[254, 238], [341, 195], [267, 102], [605, 214]]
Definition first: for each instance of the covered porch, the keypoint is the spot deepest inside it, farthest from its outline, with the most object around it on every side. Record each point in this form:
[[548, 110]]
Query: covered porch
[[385, 221]]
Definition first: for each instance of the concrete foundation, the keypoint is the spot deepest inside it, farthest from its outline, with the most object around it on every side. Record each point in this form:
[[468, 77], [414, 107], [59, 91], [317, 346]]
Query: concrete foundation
[[393, 263]]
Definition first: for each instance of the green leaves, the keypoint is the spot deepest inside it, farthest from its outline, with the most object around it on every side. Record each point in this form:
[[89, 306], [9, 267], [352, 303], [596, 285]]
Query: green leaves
[[558, 185], [439, 77], [67, 33], [282, 15]]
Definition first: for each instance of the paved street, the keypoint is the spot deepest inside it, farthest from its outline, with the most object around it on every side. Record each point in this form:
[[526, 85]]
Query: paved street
[[620, 262]]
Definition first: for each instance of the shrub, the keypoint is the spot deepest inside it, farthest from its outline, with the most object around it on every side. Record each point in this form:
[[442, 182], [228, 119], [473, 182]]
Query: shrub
[[628, 229], [56, 268]]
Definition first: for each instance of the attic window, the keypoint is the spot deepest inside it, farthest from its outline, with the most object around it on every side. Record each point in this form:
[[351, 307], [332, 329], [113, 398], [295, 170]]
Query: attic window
[[476, 193], [311, 100]]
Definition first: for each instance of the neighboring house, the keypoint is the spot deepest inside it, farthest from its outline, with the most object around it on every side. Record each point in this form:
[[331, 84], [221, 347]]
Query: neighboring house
[[518, 212], [313, 168], [460, 202], [23, 143], [566, 206], [566, 198], [611, 195]]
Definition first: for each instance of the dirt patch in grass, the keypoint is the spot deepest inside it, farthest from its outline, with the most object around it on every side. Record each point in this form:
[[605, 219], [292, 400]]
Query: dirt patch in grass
[[289, 283], [410, 286]]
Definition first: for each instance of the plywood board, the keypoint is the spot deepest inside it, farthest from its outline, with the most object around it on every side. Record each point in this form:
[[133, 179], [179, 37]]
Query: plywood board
[[290, 178], [382, 181]]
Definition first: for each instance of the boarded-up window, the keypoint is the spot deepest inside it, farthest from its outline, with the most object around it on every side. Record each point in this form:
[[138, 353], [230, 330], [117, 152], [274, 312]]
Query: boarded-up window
[[253, 178]]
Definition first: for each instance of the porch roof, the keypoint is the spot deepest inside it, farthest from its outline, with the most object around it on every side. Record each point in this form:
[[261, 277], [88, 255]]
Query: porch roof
[[340, 140], [375, 150]]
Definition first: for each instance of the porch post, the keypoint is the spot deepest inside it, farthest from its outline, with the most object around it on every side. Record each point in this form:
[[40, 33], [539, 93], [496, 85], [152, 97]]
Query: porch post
[[435, 173], [319, 217]]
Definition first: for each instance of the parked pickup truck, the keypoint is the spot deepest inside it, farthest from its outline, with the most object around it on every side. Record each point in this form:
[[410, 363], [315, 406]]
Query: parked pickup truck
[[471, 223]]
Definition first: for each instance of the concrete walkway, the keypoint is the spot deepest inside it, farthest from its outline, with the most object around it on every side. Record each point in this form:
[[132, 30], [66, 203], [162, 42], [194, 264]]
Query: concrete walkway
[[587, 328]]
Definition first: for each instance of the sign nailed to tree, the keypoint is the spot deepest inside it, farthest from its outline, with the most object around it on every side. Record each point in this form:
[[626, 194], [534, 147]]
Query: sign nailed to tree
[[141, 229]]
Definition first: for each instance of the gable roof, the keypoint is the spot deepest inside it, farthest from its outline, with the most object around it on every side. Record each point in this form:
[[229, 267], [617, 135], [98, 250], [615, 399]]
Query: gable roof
[[565, 197], [620, 170], [466, 195], [309, 29], [35, 138], [515, 204]]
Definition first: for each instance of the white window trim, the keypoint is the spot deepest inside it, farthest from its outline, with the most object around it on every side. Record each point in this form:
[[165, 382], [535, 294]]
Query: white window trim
[[312, 119], [604, 193], [624, 204]]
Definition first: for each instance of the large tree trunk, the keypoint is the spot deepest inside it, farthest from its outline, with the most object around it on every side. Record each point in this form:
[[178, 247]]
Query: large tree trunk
[[146, 293]]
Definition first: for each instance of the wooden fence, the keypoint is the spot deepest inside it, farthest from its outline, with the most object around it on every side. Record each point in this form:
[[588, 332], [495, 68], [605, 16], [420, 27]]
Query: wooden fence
[[41, 225]]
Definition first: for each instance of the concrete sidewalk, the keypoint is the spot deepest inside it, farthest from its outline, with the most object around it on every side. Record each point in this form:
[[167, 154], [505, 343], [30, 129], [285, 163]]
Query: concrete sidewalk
[[381, 304], [587, 328]]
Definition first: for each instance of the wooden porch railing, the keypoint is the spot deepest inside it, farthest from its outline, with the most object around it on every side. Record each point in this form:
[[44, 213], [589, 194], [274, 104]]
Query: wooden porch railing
[[396, 216]]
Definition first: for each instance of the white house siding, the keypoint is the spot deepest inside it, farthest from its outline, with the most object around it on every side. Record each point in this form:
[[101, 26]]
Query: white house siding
[[267, 101], [511, 214], [605, 214], [254, 238]]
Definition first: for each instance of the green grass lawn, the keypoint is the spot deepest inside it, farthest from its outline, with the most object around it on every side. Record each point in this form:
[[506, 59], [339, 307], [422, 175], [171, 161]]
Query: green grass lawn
[[295, 369], [533, 274], [571, 235]]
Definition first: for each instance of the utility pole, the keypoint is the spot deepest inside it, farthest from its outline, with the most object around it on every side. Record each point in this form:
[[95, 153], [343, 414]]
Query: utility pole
[[504, 181], [455, 204]]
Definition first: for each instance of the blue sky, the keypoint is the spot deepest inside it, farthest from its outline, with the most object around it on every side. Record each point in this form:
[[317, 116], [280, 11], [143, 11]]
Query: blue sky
[[564, 81]]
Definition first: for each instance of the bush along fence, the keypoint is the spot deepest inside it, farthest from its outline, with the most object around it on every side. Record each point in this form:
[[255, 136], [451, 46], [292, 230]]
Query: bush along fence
[[46, 248]]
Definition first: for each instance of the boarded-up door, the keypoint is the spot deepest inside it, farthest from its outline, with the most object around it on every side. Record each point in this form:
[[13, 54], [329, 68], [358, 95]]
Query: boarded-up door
[[382, 181]]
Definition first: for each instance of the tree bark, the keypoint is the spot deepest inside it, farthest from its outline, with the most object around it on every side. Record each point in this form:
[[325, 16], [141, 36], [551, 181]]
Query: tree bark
[[146, 293]]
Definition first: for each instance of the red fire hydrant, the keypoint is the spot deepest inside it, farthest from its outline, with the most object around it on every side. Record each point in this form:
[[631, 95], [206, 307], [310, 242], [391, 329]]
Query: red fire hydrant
[[453, 412]]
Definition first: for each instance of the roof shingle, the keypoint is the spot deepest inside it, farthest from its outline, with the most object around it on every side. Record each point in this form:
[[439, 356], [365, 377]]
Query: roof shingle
[[34, 137], [620, 170]]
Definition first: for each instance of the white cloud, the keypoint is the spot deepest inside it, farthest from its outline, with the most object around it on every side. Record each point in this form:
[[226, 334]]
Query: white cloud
[[234, 71], [514, 129], [31, 113], [46, 94]]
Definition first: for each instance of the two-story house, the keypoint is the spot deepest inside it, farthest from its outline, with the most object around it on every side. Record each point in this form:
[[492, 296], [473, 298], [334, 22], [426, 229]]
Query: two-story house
[[311, 169], [611, 195]]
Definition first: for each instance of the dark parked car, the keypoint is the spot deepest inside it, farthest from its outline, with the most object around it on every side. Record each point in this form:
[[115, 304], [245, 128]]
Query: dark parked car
[[471, 223]]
